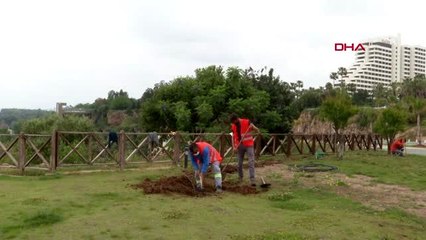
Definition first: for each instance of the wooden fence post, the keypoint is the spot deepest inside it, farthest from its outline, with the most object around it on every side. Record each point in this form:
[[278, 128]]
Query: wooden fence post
[[273, 144], [352, 142], [21, 161], [122, 150], [314, 145], [176, 148], [89, 148], [288, 153], [222, 147], [54, 152]]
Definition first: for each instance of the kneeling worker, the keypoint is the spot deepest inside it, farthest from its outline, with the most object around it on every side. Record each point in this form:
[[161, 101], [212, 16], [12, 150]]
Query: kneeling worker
[[202, 154], [397, 147]]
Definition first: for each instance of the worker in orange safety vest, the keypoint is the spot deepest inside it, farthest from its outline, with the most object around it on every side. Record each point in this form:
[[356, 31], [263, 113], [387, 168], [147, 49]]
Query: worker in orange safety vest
[[243, 142], [203, 154]]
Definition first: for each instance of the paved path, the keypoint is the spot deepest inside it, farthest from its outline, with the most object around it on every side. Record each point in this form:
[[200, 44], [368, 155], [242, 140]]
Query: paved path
[[412, 150], [417, 151]]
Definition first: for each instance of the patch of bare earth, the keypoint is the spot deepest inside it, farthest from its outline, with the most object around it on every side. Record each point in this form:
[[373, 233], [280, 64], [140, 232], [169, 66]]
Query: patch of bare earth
[[358, 187], [381, 196]]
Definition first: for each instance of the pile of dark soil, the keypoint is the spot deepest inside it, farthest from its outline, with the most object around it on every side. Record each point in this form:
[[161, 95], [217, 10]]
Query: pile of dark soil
[[230, 169], [184, 184]]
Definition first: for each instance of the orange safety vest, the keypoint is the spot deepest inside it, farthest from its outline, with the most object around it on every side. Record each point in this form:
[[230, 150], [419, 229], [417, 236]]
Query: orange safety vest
[[214, 154], [245, 132], [396, 145]]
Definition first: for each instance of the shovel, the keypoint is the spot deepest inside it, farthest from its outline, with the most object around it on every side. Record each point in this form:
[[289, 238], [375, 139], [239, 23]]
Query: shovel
[[200, 187], [264, 184]]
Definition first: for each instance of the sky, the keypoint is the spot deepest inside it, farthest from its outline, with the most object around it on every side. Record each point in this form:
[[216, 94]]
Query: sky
[[77, 51]]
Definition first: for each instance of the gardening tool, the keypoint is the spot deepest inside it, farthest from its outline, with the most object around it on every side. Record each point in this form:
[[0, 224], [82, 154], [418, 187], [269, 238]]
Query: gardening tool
[[199, 183], [233, 152], [264, 184]]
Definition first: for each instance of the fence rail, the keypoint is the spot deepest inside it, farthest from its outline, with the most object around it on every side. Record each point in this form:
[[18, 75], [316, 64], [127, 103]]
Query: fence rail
[[64, 148]]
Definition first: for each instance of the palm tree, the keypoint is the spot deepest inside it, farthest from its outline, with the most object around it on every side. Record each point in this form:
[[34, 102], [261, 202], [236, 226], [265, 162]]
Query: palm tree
[[342, 72], [334, 77], [395, 91], [418, 107]]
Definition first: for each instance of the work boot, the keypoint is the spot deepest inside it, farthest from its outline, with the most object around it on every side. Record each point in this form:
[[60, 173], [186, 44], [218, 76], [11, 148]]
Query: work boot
[[252, 182], [198, 187]]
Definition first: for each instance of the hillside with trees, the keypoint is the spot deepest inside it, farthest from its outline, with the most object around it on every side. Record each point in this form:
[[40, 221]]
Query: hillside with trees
[[204, 101], [11, 117]]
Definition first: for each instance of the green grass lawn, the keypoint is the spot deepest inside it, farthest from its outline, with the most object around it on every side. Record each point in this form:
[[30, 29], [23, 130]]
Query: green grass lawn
[[408, 171], [102, 206]]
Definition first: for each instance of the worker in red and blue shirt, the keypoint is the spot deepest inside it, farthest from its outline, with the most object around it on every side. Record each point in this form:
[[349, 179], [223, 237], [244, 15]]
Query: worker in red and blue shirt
[[202, 155], [397, 147]]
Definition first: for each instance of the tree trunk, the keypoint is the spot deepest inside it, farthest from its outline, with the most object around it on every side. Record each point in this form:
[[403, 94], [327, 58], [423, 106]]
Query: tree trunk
[[419, 131], [341, 147], [339, 144], [389, 140]]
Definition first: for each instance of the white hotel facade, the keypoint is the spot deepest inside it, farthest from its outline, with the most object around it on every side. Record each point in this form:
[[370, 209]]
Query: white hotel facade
[[385, 61]]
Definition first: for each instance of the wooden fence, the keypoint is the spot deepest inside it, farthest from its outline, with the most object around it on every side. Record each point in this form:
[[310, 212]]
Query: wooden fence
[[62, 149]]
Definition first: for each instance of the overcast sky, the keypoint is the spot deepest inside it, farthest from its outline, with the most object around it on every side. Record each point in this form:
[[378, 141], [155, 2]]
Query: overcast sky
[[76, 51]]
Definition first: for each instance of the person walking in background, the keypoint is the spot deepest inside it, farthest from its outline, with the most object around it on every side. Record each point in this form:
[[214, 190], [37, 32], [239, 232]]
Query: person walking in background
[[203, 154], [243, 142], [112, 138]]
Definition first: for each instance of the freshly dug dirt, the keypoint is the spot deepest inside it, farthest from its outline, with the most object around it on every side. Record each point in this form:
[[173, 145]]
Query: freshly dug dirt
[[175, 184], [230, 169], [184, 185]]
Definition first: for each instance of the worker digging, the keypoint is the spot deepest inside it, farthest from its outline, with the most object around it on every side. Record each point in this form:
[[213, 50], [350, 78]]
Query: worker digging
[[202, 155]]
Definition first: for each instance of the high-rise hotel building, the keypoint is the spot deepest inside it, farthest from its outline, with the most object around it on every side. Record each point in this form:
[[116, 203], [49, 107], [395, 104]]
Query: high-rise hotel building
[[385, 61]]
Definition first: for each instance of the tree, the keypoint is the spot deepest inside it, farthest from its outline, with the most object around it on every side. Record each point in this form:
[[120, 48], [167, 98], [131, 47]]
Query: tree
[[390, 121], [418, 107], [415, 87], [206, 100], [338, 109], [183, 116], [47, 125], [310, 98], [272, 119], [380, 95], [280, 94], [362, 97], [205, 114], [351, 88], [366, 117], [338, 76], [121, 103], [334, 76]]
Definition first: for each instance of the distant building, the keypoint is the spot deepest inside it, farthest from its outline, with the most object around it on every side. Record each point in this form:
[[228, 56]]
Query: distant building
[[413, 61], [385, 61], [62, 109]]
